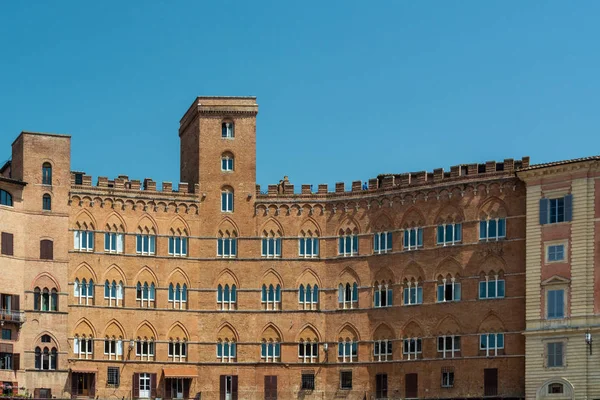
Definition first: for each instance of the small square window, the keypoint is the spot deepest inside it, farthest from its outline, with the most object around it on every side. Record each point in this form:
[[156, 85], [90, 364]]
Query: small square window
[[346, 380], [113, 376], [6, 334], [447, 377], [555, 253], [554, 355], [308, 381]]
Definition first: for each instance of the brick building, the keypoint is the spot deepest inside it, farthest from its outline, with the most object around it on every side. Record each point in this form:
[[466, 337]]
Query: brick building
[[409, 286]]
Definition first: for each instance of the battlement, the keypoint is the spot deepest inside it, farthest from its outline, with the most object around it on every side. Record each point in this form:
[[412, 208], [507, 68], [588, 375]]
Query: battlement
[[457, 173], [123, 183]]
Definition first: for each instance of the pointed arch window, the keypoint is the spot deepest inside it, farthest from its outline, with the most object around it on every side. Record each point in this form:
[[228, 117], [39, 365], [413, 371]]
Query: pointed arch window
[[347, 350], [227, 245], [492, 229], [271, 297], [144, 349], [348, 243], [270, 350], [348, 296], [449, 234], [45, 299], [491, 287], [382, 242], [271, 245], [146, 243], [83, 347], [113, 293], [413, 293], [308, 296], [178, 295], [46, 359], [46, 174], [382, 350], [308, 245], [227, 162], [145, 294], [226, 350], [84, 291], [114, 241], [413, 238], [83, 240], [226, 297], [178, 244], [113, 348], [383, 294], [227, 200], [448, 289], [177, 351], [308, 351]]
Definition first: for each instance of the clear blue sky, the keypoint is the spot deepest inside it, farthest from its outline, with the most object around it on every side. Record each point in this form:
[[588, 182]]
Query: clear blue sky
[[346, 89]]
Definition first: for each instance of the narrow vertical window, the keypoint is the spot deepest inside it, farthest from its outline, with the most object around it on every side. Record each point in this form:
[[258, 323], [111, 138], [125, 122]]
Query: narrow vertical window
[[46, 174]]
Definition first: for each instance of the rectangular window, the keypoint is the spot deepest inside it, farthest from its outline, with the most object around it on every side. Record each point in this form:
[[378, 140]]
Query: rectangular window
[[178, 246], [6, 334], [555, 253], [448, 346], [226, 351], [348, 245], [78, 179], [449, 234], [492, 229], [226, 202], [448, 291], [491, 288], [112, 376], [382, 350], [7, 243], [413, 295], [345, 380], [6, 360], [382, 242], [556, 304], [447, 377], [308, 352], [413, 238], [83, 240], [555, 355], [491, 343], [347, 351], [271, 247], [382, 296], [308, 247], [308, 381], [556, 210], [226, 247], [146, 244], [113, 242], [412, 348], [270, 351]]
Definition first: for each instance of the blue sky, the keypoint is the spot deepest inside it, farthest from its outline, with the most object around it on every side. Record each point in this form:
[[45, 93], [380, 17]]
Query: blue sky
[[346, 89]]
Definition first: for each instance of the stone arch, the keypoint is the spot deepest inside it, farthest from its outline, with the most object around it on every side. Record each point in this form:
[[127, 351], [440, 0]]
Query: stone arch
[[85, 271], [348, 332], [413, 271], [178, 226], [84, 220], [178, 276], [567, 394], [310, 225], [114, 329], [349, 275], [272, 277], [271, 331], [147, 224], [382, 222], [448, 214], [447, 267], [178, 332], [144, 273], [45, 279], [38, 340], [491, 208], [114, 272], [272, 225], [227, 332], [384, 274], [84, 327], [491, 323], [308, 333], [449, 325], [492, 264], [146, 330], [412, 329], [348, 225], [227, 277], [383, 331], [412, 218], [115, 222], [308, 276], [227, 227]]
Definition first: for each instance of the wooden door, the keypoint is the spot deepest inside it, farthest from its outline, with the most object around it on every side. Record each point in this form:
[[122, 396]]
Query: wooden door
[[490, 382], [411, 386], [381, 386], [270, 387]]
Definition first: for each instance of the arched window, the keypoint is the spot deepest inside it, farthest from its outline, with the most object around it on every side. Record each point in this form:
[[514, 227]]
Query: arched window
[[46, 359], [113, 348], [227, 129], [6, 198], [46, 202], [448, 289], [271, 244], [226, 350], [308, 296], [46, 174], [227, 244], [348, 242], [145, 294], [226, 297], [270, 350], [382, 294], [348, 295], [382, 350], [227, 162], [178, 295], [145, 242], [347, 350], [45, 299], [308, 351], [84, 291], [308, 245], [113, 293], [271, 297], [413, 292], [145, 349], [83, 347], [177, 351], [227, 200]]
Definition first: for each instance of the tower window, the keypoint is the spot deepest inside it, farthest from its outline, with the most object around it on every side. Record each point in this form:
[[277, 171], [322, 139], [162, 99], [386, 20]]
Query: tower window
[[227, 162], [227, 130], [226, 201], [46, 174], [47, 202]]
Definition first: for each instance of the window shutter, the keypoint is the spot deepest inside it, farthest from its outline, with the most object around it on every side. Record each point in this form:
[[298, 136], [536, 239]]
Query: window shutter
[[234, 387], [119, 347], [440, 293], [420, 295], [153, 385], [569, 207], [168, 388], [16, 361], [186, 388], [136, 385], [355, 243], [390, 296], [76, 239], [456, 291], [74, 391], [341, 245], [544, 203], [120, 242], [15, 302], [457, 232], [376, 297], [420, 237], [222, 387], [7, 244], [406, 295], [76, 346], [406, 238], [440, 234], [36, 393]]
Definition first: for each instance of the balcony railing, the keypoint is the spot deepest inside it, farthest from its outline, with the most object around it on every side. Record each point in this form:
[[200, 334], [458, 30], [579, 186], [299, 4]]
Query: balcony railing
[[12, 316]]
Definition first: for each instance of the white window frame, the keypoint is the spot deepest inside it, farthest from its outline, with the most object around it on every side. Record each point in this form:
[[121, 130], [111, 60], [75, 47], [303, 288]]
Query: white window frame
[[275, 303], [488, 349], [148, 244], [555, 244], [455, 290], [454, 344], [272, 347], [114, 242], [344, 239], [229, 130], [385, 291], [81, 236], [227, 162], [378, 354], [84, 299], [347, 302], [412, 342], [145, 301], [173, 353], [383, 242], [412, 289], [227, 305], [118, 293], [484, 231], [410, 233], [145, 355], [453, 240], [229, 353], [308, 246], [178, 303], [228, 247], [271, 246], [227, 201], [115, 348], [83, 347], [346, 357], [178, 246], [496, 285], [309, 302], [309, 355]]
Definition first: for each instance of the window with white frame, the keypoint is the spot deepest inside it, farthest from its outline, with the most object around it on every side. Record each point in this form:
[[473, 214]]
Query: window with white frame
[[178, 296], [227, 130], [492, 287], [271, 245], [382, 242], [227, 201], [227, 162], [144, 349], [491, 343], [348, 296], [83, 240], [448, 290], [413, 293], [447, 377], [177, 351], [555, 252], [348, 243], [308, 351], [83, 347], [270, 351], [84, 291], [308, 296], [114, 242], [308, 245], [412, 347], [226, 297], [226, 350], [178, 246], [113, 348], [271, 297], [492, 229], [449, 234], [382, 294], [555, 303], [382, 350], [555, 354], [448, 346], [226, 245], [556, 210], [145, 293], [413, 238], [347, 350], [113, 292], [145, 244]]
